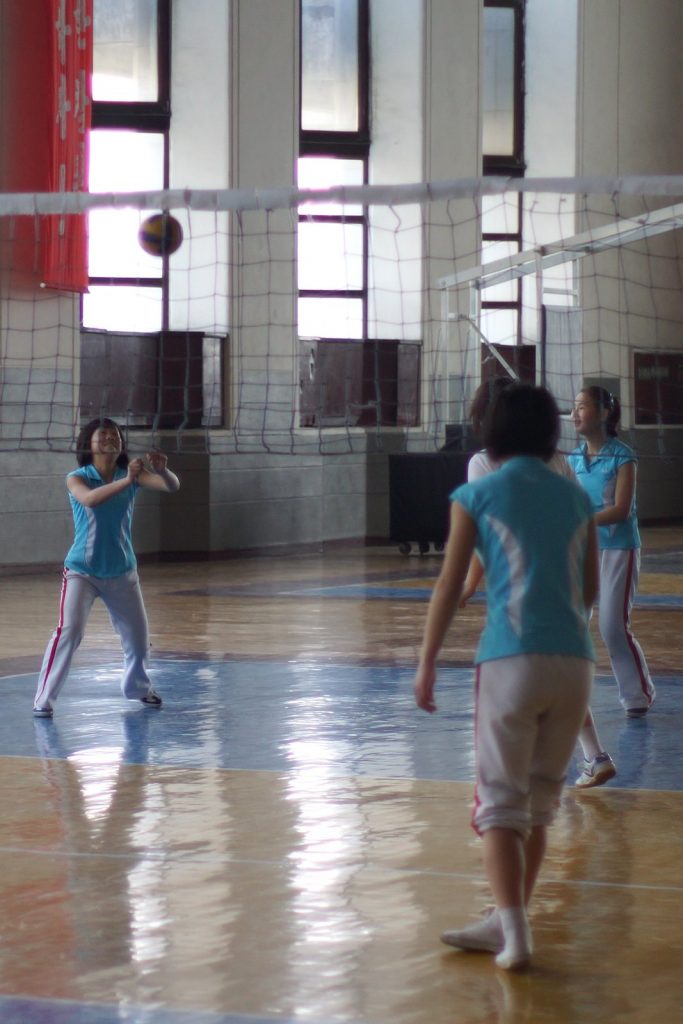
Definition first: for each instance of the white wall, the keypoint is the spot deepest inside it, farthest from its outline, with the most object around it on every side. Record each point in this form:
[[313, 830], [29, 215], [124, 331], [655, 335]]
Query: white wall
[[396, 157], [199, 141], [200, 159], [630, 84], [549, 140], [452, 149], [629, 87], [551, 84]]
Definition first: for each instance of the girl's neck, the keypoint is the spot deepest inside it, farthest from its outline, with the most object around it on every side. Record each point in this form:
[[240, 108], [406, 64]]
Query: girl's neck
[[595, 441], [105, 466]]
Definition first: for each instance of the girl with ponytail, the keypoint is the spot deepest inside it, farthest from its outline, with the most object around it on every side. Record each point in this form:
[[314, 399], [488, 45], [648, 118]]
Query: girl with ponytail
[[606, 468]]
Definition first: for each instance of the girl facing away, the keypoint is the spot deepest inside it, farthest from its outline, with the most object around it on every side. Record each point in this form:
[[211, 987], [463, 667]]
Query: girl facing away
[[597, 767], [101, 561], [606, 469], [534, 663]]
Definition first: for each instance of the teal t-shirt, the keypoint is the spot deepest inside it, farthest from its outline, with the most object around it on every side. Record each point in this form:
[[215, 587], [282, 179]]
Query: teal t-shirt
[[598, 477], [532, 527], [102, 543]]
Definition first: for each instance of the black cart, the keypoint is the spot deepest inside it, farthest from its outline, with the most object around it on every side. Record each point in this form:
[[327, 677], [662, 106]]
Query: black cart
[[420, 484]]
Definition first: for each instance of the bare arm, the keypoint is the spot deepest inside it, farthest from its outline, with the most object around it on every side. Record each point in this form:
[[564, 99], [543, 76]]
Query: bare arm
[[475, 575], [623, 497], [158, 477], [444, 601], [90, 497]]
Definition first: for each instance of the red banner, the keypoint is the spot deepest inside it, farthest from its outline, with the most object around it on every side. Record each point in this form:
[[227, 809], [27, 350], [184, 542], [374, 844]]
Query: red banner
[[65, 255], [46, 105]]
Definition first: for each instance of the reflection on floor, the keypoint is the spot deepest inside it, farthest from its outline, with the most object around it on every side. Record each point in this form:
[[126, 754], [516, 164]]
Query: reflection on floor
[[284, 840]]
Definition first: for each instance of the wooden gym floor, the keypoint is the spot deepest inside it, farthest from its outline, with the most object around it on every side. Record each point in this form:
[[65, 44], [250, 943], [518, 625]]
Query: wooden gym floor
[[286, 838]]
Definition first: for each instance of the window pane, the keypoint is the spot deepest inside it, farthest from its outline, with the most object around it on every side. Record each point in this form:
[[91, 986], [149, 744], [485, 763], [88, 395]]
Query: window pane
[[499, 326], [330, 318], [500, 214], [122, 162], [329, 65], [125, 68], [330, 257], [326, 172], [122, 309], [125, 161], [507, 291], [499, 81]]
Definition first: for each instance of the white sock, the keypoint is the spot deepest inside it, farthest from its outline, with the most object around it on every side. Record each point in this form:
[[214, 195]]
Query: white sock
[[517, 936]]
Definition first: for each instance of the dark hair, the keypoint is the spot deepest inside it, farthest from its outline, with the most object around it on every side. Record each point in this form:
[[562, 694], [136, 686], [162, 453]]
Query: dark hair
[[604, 399], [523, 420], [83, 444], [485, 394]]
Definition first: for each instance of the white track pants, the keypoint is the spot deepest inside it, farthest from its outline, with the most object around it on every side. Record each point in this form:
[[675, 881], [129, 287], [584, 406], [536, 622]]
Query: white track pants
[[619, 571], [123, 598]]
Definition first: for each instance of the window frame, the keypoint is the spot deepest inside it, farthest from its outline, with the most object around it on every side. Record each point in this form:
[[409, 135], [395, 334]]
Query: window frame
[[174, 355], [512, 165], [154, 118], [349, 146], [516, 238]]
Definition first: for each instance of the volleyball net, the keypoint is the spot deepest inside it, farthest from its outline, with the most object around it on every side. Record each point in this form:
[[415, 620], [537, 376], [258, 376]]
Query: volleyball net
[[302, 321]]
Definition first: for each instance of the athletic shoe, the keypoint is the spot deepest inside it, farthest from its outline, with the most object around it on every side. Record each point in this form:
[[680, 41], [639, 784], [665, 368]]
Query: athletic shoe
[[596, 772], [636, 712], [152, 700], [42, 712], [518, 960], [483, 937]]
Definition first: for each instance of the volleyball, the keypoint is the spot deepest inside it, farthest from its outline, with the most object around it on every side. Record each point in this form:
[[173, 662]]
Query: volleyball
[[160, 234]]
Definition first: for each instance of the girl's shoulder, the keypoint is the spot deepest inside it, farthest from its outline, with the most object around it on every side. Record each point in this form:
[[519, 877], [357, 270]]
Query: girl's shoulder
[[621, 451]]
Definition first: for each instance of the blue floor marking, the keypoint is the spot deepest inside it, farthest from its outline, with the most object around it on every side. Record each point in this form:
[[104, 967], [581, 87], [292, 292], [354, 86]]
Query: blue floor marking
[[286, 716], [48, 1011]]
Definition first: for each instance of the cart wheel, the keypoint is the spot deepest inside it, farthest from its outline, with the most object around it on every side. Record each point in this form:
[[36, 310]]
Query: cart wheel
[[439, 547], [424, 547], [404, 548]]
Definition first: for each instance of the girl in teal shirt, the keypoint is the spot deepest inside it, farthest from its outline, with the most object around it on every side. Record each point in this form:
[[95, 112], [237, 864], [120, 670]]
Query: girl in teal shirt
[[606, 469], [534, 533]]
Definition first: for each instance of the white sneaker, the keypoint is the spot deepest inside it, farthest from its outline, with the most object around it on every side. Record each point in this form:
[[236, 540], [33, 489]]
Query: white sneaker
[[518, 960], [596, 772], [484, 936]]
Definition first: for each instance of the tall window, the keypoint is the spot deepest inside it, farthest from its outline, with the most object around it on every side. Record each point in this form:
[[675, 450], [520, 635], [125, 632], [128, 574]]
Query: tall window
[[503, 87], [128, 152], [347, 378], [334, 146], [503, 149], [133, 366]]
